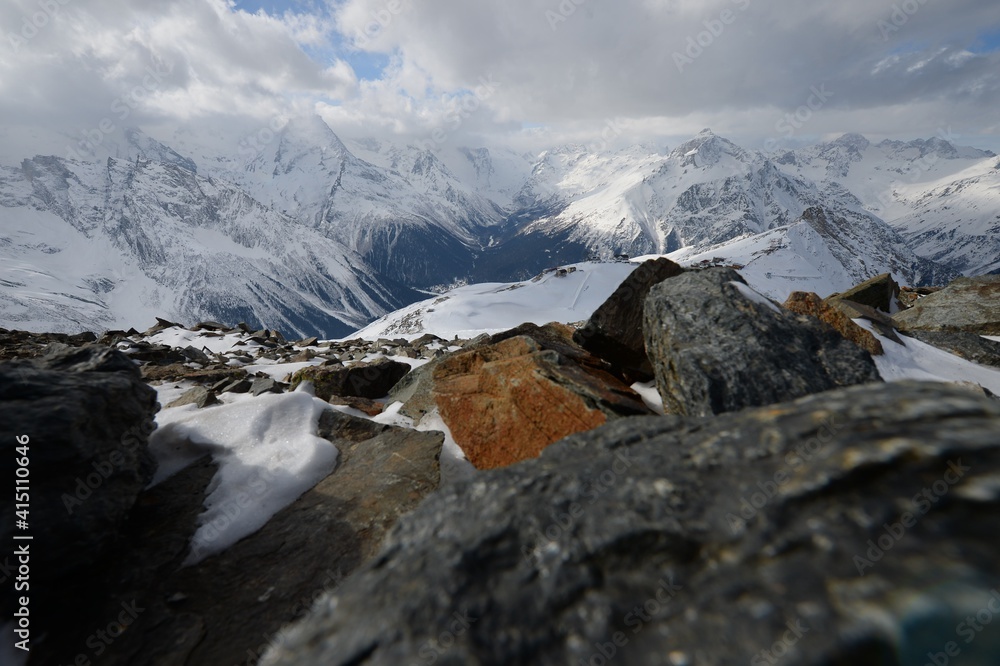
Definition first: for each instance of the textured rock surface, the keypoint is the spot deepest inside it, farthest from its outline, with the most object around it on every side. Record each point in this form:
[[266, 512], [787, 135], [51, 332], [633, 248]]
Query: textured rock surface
[[507, 401], [808, 303], [882, 322], [880, 293], [971, 305], [718, 347], [228, 608], [667, 540], [88, 417], [614, 331], [362, 380]]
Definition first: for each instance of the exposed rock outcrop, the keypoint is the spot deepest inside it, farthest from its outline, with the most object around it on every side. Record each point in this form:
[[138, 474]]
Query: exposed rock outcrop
[[717, 346], [229, 607], [788, 530]]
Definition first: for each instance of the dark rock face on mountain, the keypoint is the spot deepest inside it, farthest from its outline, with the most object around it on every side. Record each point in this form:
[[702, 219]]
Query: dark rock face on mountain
[[614, 331], [717, 346], [785, 530], [970, 305]]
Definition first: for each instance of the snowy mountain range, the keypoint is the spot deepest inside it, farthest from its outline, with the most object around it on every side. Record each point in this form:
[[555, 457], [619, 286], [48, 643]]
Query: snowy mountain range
[[313, 235]]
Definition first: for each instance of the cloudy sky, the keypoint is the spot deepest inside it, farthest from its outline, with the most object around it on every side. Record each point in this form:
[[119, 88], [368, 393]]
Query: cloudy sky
[[765, 72]]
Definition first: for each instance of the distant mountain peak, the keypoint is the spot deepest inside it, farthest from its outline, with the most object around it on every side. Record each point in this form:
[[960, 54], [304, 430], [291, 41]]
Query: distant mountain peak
[[706, 149]]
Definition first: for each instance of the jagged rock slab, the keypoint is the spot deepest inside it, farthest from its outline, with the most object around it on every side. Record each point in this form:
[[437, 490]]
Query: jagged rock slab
[[850, 527], [718, 346], [880, 292], [362, 380], [970, 305], [614, 331], [505, 402], [808, 303]]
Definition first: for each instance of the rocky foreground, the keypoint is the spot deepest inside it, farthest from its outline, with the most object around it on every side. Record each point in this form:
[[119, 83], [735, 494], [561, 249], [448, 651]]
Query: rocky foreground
[[696, 475]]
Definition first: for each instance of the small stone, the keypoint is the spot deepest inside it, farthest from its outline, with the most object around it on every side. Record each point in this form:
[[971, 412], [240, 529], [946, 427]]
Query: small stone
[[199, 396]]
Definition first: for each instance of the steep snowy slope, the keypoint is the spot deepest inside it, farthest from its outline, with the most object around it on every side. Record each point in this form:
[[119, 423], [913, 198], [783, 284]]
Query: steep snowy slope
[[292, 228], [100, 245], [822, 252], [566, 295], [695, 200], [407, 215], [944, 200]]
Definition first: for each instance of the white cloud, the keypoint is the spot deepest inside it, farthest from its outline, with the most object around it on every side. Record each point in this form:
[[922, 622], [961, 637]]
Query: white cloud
[[670, 67]]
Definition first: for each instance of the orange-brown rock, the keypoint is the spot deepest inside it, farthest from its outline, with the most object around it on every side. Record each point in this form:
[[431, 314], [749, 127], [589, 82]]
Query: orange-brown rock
[[808, 303], [506, 402]]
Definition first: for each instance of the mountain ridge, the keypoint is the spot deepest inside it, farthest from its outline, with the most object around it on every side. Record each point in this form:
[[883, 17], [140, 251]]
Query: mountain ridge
[[301, 232]]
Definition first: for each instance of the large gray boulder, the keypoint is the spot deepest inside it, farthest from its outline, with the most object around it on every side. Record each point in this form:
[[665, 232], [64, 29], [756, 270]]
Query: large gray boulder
[[853, 527], [717, 346], [970, 305], [87, 416]]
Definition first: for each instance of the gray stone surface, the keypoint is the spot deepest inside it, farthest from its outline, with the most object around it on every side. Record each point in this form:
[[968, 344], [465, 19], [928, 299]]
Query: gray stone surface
[[715, 350], [773, 535], [971, 305], [87, 416], [614, 331]]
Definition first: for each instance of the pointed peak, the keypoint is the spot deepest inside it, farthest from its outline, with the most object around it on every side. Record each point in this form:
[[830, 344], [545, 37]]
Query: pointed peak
[[853, 140]]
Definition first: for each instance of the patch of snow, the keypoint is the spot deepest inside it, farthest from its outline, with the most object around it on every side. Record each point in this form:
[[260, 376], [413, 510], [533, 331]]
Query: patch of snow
[[650, 395], [752, 295], [495, 307], [994, 338], [268, 454], [279, 371], [921, 361], [454, 465]]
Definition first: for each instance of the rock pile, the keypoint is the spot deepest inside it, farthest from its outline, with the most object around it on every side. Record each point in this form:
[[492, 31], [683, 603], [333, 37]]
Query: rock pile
[[789, 500]]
